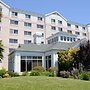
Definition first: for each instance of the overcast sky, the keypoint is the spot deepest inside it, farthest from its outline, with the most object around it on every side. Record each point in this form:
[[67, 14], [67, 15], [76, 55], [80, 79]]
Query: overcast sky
[[73, 10]]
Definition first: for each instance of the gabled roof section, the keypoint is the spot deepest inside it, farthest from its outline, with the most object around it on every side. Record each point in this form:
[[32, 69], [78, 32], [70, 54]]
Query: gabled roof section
[[57, 13], [4, 4]]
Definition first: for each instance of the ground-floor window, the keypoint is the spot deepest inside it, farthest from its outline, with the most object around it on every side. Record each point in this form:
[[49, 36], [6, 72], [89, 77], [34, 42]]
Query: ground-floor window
[[48, 61], [29, 62]]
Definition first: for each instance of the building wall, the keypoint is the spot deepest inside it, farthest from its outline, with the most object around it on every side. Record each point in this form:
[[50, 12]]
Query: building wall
[[5, 27]]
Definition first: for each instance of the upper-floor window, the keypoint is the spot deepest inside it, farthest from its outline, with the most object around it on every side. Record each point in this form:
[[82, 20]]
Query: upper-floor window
[[60, 29], [59, 22], [13, 31], [53, 27], [14, 22], [61, 38], [14, 14], [13, 40], [27, 33], [69, 25], [42, 34], [27, 41], [52, 20], [40, 18], [77, 33], [83, 28], [27, 16], [76, 26], [26, 24], [69, 31], [84, 34], [39, 26]]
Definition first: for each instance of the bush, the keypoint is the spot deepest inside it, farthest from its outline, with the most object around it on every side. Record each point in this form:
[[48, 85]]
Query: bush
[[52, 69], [84, 76], [13, 74], [34, 73], [2, 72], [25, 73], [39, 69], [64, 74], [75, 73], [6, 75], [51, 74], [46, 73]]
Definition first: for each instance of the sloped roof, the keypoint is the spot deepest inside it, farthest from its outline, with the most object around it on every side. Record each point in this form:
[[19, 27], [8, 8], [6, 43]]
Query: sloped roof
[[48, 47]]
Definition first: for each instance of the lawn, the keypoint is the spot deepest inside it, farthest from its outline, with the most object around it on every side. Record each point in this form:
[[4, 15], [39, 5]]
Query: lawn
[[43, 83]]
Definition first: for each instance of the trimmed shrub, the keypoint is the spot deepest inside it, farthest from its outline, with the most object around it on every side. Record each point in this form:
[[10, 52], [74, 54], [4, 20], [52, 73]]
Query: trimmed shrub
[[2, 72], [51, 74], [13, 74], [84, 76], [34, 73], [25, 73], [6, 75], [75, 73], [64, 74], [46, 73], [52, 69], [39, 69]]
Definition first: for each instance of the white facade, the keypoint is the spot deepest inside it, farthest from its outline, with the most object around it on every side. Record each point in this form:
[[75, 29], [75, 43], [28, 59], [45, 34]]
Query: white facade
[[19, 27]]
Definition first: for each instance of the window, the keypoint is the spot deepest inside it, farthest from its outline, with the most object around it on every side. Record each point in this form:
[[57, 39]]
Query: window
[[67, 38], [74, 39], [27, 33], [61, 37], [76, 26], [59, 22], [27, 24], [13, 31], [48, 61], [39, 18], [27, 16], [60, 29], [69, 31], [84, 34], [53, 27], [14, 22], [13, 40], [83, 28], [0, 28], [27, 41], [39, 26], [52, 20], [14, 14], [0, 13], [42, 34], [69, 25], [42, 42], [77, 33], [64, 38], [71, 39]]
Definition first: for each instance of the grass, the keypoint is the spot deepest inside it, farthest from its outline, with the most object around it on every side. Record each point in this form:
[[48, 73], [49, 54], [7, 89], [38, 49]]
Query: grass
[[43, 83]]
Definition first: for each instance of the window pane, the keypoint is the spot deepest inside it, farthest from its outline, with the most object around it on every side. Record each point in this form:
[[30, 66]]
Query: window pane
[[23, 65]]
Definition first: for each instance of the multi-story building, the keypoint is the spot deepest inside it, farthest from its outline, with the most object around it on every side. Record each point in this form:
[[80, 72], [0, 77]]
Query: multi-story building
[[24, 27]]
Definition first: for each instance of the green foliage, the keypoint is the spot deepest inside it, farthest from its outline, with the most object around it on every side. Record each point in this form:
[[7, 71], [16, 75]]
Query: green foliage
[[64, 74], [25, 73], [34, 73], [39, 69], [46, 73], [75, 73], [1, 50], [2, 72], [13, 74], [84, 76], [6, 75], [67, 58]]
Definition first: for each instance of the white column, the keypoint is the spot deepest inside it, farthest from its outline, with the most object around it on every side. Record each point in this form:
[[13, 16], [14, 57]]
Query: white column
[[43, 61], [17, 64]]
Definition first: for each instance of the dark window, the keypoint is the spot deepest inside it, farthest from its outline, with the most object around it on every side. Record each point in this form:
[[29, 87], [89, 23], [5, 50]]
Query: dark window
[[83, 28], [77, 33], [69, 31], [59, 22], [40, 18], [69, 25], [61, 37], [27, 16], [14, 14], [39, 26], [23, 65], [84, 34], [53, 27], [14, 22], [64, 38], [27, 33], [60, 29], [13, 40], [53, 20], [27, 24], [29, 65], [76, 26], [27, 41], [67, 38]]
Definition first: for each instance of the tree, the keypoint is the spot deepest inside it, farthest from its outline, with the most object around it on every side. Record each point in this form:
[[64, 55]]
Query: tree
[[68, 58], [85, 54], [1, 50]]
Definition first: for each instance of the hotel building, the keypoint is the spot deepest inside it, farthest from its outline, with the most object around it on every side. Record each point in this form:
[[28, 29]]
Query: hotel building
[[19, 27]]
